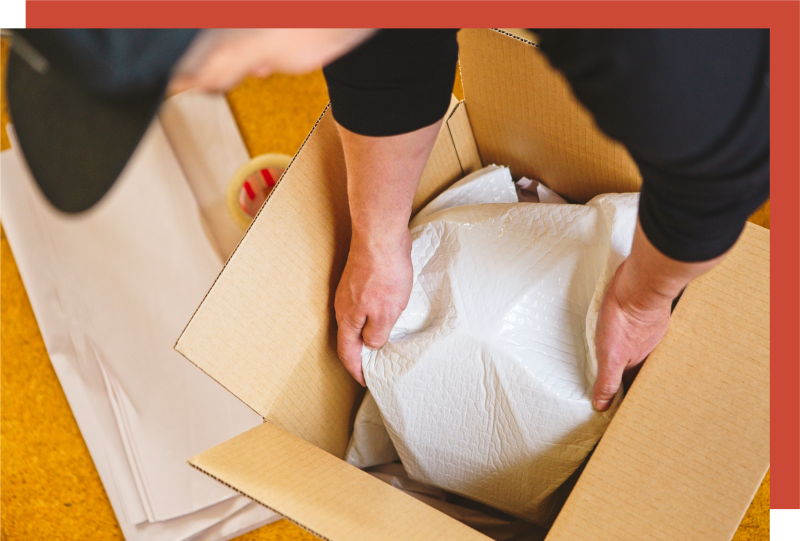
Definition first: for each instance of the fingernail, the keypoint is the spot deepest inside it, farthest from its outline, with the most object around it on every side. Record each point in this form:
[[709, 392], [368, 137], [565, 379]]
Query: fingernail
[[600, 405]]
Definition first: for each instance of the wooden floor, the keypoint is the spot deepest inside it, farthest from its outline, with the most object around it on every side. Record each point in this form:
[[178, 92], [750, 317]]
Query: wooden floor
[[50, 489]]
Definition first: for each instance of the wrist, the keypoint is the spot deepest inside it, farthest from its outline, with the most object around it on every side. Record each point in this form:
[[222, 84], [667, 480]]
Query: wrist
[[380, 241], [643, 292]]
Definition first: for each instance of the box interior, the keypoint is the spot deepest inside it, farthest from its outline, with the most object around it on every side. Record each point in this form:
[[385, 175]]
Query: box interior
[[687, 448]]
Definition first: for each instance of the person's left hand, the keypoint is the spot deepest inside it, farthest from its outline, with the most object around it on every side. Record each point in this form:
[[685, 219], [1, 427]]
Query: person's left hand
[[626, 333]]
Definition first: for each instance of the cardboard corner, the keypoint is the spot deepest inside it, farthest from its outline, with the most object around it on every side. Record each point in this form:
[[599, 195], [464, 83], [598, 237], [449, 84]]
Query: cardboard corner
[[266, 330], [267, 323], [460, 129]]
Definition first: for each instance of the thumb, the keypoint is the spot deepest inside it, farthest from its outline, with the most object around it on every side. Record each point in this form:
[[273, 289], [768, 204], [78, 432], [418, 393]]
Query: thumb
[[349, 349], [376, 331], [609, 378]]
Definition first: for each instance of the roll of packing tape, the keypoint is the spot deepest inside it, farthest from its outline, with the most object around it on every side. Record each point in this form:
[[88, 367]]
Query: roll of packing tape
[[252, 184]]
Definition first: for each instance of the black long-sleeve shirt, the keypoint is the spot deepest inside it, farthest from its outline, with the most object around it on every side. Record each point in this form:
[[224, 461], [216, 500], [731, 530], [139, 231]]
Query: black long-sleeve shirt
[[691, 106]]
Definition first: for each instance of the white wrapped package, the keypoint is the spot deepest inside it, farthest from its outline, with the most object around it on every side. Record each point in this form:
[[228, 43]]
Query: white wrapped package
[[485, 384], [370, 444]]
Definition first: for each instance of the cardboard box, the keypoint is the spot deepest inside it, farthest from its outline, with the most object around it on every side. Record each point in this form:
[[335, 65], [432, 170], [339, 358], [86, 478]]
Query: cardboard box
[[683, 456]]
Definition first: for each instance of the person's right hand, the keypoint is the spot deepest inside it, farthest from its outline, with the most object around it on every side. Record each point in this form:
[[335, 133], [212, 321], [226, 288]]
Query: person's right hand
[[219, 59], [382, 177], [372, 293]]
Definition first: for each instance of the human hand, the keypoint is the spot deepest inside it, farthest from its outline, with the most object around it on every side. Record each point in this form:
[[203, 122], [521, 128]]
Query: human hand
[[372, 293], [634, 314], [382, 178], [627, 331], [219, 59]]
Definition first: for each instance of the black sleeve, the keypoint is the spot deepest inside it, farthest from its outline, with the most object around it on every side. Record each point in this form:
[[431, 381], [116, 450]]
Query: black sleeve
[[692, 106], [396, 82]]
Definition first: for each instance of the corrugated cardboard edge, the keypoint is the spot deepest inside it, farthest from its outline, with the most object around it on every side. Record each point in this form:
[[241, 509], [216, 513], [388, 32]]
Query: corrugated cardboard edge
[[277, 183], [454, 103], [443, 167], [322, 494], [706, 383], [464, 143], [266, 323], [284, 364], [177, 347]]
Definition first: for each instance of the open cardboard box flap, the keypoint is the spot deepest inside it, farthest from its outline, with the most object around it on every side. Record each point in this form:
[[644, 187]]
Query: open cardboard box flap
[[684, 454]]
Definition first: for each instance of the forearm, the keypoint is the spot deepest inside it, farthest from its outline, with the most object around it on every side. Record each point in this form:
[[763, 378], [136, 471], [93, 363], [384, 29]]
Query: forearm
[[382, 178], [649, 278]]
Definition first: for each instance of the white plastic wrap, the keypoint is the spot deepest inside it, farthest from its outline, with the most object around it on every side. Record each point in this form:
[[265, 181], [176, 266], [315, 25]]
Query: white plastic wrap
[[485, 384]]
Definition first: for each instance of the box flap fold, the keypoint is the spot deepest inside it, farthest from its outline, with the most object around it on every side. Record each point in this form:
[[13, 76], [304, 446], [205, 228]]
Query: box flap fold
[[328, 497], [266, 331]]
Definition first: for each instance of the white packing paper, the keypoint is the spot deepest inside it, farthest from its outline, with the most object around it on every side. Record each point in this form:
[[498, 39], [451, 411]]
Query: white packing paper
[[543, 194], [112, 289], [195, 123]]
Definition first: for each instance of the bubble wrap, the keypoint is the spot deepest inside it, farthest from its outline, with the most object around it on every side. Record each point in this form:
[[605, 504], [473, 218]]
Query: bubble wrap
[[485, 384]]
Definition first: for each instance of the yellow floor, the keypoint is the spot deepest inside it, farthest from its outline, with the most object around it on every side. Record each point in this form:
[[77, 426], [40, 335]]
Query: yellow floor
[[49, 487]]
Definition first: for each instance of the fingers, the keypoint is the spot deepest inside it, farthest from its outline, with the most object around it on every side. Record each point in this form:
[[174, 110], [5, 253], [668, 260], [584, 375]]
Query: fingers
[[349, 348], [609, 378], [612, 342], [371, 295], [624, 336], [351, 336]]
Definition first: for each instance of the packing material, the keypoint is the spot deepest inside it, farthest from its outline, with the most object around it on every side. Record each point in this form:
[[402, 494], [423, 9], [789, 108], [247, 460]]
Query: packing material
[[687, 447]]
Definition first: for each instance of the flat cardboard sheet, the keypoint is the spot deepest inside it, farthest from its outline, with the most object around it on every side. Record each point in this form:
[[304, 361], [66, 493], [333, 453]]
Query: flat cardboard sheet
[[690, 443]]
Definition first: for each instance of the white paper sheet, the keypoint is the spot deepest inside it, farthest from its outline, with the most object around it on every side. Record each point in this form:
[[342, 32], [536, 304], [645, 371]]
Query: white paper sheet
[[112, 289], [195, 123]]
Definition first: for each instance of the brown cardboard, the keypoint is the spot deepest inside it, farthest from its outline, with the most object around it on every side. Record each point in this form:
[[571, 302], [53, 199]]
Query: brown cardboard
[[266, 330], [525, 116], [689, 445], [682, 457], [460, 130], [325, 495], [443, 167]]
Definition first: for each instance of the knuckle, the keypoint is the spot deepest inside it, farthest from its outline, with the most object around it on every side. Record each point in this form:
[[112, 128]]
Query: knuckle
[[381, 321], [606, 388], [374, 342]]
